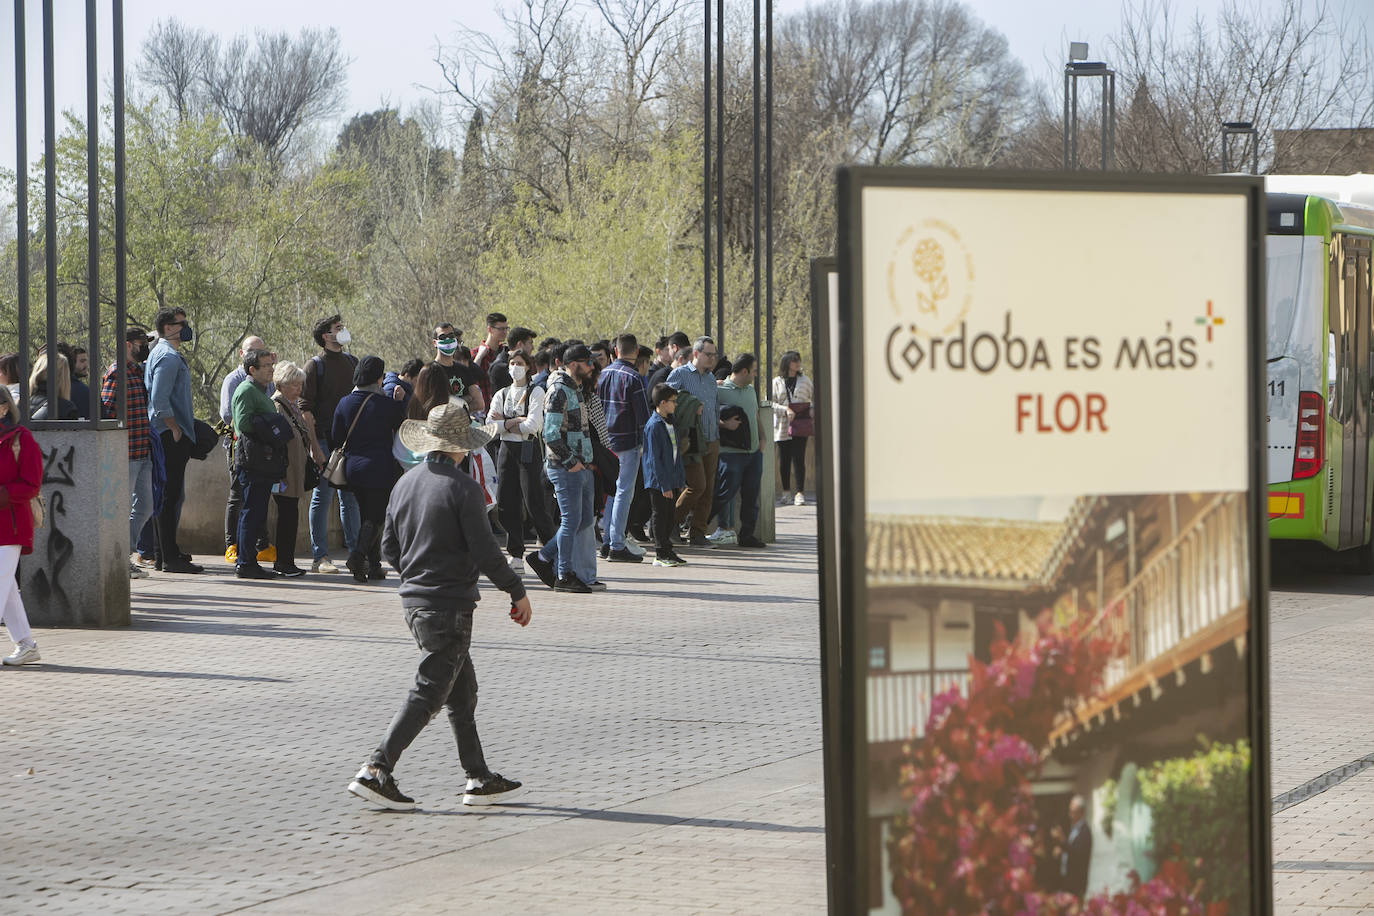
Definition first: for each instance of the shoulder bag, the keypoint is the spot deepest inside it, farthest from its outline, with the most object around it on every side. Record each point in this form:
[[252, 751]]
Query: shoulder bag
[[334, 467]]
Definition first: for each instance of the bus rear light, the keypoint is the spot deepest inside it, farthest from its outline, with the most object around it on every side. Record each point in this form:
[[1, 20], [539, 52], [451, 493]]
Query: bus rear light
[[1307, 461]]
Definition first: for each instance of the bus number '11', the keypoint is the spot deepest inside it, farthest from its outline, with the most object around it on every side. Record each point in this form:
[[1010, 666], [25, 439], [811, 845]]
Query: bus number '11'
[[1276, 388]]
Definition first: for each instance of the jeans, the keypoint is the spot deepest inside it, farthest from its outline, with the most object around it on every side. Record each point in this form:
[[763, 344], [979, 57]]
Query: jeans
[[319, 516], [177, 454], [520, 486], [574, 546], [234, 508], [792, 455], [740, 473], [444, 680], [624, 495], [253, 518], [140, 497]]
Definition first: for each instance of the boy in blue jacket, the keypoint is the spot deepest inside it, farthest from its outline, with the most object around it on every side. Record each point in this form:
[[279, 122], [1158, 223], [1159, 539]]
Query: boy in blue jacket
[[662, 464]]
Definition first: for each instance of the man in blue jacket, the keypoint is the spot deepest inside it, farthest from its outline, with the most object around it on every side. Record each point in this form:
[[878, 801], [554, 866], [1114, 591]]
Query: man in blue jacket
[[621, 390], [169, 413]]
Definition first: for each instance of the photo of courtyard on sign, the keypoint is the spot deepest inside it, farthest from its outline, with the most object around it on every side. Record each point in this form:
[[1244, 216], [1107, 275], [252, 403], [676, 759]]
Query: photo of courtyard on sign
[[1056, 699]]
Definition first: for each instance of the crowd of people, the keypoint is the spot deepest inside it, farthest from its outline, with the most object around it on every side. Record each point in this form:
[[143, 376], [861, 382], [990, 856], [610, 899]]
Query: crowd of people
[[592, 451]]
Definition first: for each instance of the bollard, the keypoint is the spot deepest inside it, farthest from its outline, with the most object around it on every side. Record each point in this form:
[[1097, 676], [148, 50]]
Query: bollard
[[768, 497]]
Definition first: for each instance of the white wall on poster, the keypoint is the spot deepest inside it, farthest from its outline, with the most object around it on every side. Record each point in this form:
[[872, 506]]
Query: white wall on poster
[[1048, 342]]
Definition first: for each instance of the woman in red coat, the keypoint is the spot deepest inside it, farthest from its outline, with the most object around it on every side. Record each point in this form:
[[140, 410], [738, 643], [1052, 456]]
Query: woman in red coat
[[21, 473]]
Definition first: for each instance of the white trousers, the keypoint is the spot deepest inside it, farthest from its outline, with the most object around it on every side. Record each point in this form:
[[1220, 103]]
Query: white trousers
[[11, 605]]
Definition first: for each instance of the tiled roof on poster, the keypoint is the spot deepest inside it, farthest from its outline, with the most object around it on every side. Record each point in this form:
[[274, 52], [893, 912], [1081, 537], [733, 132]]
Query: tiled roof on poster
[[927, 549]]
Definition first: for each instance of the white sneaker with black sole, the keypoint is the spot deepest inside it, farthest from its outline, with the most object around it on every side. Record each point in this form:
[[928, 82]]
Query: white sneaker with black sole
[[517, 565], [377, 786], [494, 790], [633, 546]]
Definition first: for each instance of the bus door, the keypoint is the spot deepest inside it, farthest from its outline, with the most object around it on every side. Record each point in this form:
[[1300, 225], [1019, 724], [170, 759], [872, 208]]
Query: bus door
[[1350, 305]]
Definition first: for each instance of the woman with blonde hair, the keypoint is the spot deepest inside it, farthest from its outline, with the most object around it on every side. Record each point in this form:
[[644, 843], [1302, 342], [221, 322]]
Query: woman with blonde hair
[[303, 461], [21, 475], [55, 404]]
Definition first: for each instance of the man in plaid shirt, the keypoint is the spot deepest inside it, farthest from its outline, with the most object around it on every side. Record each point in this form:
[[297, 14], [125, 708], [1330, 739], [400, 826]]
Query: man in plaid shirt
[[140, 438]]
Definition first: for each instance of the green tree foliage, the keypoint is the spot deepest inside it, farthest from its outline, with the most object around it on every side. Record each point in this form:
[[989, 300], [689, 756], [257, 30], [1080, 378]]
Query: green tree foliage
[[1194, 803]]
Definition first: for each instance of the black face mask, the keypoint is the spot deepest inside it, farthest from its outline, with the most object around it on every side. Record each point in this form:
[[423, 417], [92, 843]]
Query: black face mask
[[186, 333], [141, 354]]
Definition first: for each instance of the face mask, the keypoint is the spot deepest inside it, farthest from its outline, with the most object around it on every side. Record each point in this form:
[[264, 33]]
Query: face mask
[[343, 336], [186, 333], [448, 346], [517, 373], [141, 354]]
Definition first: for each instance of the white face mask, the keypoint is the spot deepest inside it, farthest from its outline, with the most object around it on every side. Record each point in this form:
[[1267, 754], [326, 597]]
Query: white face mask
[[517, 373], [343, 336]]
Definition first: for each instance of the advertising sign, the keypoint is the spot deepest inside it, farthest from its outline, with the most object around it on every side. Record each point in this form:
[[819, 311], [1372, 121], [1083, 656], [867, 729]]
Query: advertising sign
[[1051, 602]]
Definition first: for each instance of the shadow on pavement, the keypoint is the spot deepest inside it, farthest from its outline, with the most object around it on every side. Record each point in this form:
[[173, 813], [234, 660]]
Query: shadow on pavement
[[625, 817], [175, 675]]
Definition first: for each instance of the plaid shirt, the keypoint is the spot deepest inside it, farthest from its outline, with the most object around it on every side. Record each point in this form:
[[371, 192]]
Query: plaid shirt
[[137, 396]]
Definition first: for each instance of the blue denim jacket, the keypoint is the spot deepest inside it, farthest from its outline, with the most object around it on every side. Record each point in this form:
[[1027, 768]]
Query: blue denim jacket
[[169, 389]]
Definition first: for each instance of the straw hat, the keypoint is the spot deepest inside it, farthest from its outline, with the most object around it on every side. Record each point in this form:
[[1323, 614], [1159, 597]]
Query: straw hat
[[447, 429]]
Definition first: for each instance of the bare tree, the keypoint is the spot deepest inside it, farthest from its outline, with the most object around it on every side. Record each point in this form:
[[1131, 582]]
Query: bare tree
[[267, 90], [174, 62], [1290, 71], [646, 32]]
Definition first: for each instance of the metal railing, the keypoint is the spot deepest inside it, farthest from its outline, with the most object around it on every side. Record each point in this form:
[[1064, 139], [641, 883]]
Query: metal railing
[[1194, 582], [899, 701]]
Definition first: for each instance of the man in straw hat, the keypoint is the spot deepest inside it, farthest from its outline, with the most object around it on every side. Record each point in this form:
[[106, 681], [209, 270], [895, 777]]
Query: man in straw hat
[[438, 539]]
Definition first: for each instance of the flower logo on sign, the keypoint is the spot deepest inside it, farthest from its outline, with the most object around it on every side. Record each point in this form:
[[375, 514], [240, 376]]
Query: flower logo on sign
[[929, 278], [928, 260]]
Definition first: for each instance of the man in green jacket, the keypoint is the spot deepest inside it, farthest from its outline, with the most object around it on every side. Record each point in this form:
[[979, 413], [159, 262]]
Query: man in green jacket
[[251, 400], [740, 470]]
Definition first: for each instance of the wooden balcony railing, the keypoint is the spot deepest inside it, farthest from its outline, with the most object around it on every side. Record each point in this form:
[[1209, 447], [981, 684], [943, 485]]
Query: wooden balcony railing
[[899, 701], [1195, 583]]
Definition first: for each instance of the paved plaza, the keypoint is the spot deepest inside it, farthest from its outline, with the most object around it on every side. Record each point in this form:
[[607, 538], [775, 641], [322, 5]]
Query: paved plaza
[[668, 731]]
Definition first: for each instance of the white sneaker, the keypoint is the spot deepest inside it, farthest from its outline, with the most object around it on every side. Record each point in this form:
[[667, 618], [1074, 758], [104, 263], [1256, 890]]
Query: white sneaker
[[323, 565], [722, 537], [137, 572], [517, 565], [633, 546], [23, 655], [799, 499]]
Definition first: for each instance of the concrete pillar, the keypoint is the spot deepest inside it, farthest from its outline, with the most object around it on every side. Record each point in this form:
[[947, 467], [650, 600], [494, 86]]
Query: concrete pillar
[[768, 495], [78, 573]]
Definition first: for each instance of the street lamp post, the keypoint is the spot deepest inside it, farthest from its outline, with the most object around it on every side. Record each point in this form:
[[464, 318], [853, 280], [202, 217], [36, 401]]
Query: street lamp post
[[1078, 68], [1231, 129]]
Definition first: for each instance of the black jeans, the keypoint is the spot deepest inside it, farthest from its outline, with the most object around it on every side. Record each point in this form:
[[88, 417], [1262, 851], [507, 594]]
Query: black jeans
[[445, 680], [664, 509], [372, 516], [176, 455], [792, 454], [288, 522], [253, 518], [520, 487], [234, 507]]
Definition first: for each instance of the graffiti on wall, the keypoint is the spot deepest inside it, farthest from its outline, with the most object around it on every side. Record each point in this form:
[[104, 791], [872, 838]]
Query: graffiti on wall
[[59, 471]]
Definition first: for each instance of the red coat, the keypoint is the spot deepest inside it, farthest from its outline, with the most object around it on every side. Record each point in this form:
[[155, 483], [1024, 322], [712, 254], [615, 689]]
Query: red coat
[[20, 480]]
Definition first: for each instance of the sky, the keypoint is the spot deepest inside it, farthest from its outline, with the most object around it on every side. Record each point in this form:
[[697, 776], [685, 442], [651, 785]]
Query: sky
[[392, 45]]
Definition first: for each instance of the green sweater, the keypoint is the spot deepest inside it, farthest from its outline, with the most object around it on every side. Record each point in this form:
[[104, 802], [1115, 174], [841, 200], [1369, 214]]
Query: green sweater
[[729, 394], [249, 400]]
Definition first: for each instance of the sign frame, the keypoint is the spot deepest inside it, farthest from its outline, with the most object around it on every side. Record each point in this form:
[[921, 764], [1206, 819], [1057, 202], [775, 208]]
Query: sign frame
[[847, 770]]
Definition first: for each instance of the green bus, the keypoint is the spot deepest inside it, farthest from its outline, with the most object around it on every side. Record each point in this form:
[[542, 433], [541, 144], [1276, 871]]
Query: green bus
[[1320, 355]]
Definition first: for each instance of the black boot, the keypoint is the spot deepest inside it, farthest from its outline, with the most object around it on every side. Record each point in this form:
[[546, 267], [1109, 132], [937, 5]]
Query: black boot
[[357, 560]]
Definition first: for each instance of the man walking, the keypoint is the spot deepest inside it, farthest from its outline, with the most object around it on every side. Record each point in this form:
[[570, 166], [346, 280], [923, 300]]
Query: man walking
[[621, 390], [437, 538], [140, 440], [265, 552], [169, 414], [568, 562], [328, 377], [697, 380]]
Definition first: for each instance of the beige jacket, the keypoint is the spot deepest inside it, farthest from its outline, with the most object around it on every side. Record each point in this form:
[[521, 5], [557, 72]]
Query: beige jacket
[[804, 393]]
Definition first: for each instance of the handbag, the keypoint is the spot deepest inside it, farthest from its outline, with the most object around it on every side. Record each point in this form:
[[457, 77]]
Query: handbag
[[334, 467], [802, 423]]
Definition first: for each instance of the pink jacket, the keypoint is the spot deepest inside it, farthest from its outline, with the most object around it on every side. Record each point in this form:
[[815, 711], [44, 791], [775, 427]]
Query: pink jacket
[[21, 475]]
